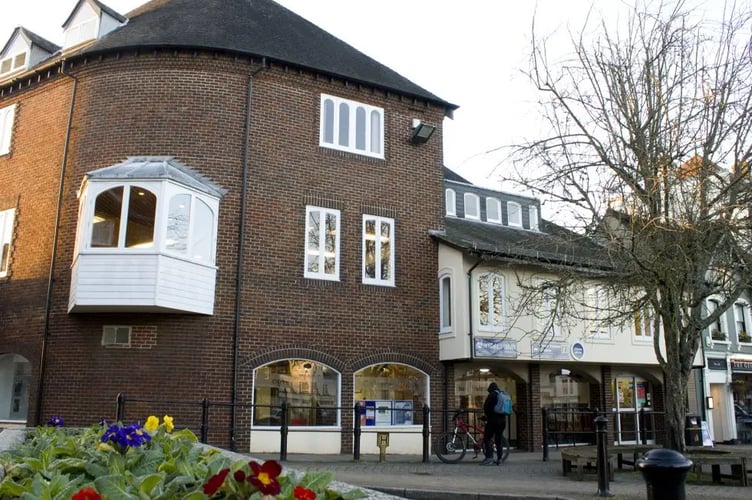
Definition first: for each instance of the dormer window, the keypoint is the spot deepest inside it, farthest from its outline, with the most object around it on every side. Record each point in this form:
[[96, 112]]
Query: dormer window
[[514, 214], [472, 206], [450, 199], [533, 216], [90, 20], [150, 221], [493, 210]]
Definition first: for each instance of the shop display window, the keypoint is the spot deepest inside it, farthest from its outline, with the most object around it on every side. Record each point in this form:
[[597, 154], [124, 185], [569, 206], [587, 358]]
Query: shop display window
[[391, 394]]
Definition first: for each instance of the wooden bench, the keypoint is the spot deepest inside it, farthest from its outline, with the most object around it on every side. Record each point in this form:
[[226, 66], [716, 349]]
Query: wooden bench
[[584, 457], [716, 458], [629, 453]]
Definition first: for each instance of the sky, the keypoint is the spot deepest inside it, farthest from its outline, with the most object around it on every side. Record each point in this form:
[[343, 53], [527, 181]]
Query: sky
[[472, 53]]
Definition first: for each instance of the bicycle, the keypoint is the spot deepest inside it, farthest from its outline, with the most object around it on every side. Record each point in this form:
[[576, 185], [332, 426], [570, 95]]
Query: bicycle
[[451, 446]]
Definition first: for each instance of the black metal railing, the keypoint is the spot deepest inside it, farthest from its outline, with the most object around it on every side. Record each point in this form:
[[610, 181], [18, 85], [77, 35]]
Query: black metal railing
[[197, 415]]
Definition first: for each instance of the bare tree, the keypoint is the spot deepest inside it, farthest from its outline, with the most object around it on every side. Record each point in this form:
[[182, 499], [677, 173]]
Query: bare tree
[[649, 152]]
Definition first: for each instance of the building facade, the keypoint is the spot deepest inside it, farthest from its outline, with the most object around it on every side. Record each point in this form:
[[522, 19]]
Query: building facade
[[500, 323], [217, 200]]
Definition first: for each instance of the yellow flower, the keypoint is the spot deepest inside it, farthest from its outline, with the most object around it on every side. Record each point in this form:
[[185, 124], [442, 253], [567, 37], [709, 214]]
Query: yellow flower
[[169, 425], [152, 423]]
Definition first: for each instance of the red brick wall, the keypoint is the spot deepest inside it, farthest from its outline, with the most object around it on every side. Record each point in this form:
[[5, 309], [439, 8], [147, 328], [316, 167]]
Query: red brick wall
[[193, 107]]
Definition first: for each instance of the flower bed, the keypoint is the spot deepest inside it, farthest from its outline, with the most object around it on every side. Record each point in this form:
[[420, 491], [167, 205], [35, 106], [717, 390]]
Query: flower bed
[[152, 461]]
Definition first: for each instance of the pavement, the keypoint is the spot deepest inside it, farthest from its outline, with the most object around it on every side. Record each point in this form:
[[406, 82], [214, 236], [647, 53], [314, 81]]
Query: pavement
[[523, 476]]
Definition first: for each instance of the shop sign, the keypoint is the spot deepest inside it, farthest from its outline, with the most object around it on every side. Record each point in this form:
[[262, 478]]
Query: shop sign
[[550, 350], [578, 350], [741, 366], [495, 348], [717, 363]]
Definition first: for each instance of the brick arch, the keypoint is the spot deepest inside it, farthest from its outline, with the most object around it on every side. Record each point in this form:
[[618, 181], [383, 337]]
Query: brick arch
[[387, 356], [270, 355]]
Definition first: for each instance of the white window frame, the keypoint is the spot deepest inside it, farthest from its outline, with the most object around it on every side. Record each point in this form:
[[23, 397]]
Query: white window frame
[[320, 254], [378, 221], [514, 214], [373, 127], [111, 334], [7, 116], [472, 200], [446, 318], [493, 210], [450, 200], [741, 315], [713, 304], [13, 62], [7, 217], [597, 300], [643, 328], [547, 311], [490, 325], [533, 217]]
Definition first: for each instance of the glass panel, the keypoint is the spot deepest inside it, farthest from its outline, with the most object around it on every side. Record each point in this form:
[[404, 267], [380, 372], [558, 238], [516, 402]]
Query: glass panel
[[391, 394], [309, 388], [483, 299], [313, 250], [5, 65], [330, 249], [328, 118], [4, 260], [142, 208], [386, 248], [344, 124], [450, 202], [446, 302], [497, 298], [202, 231], [105, 230], [178, 222], [376, 132], [369, 240], [19, 60], [360, 128]]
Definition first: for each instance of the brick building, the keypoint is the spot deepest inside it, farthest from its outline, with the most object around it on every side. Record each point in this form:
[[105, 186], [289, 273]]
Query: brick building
[[217, 199]]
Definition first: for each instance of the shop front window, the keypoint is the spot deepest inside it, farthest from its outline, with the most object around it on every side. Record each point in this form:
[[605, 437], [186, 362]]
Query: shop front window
[[562, 389], [310, 389], [391, 394]]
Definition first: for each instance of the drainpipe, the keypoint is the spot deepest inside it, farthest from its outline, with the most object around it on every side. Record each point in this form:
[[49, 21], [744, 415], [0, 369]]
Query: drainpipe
[[53, 257], [470, 307], [241, 248]]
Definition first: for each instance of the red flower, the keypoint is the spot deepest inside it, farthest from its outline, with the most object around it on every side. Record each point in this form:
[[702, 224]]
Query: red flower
[[303, 493], [86, 494], [239, 476], [265, 477], [215, 482]]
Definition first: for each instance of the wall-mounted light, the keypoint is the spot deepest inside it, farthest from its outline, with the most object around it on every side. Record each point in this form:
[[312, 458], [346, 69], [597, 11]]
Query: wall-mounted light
[[421, 132], [484, 370], [709, 402]]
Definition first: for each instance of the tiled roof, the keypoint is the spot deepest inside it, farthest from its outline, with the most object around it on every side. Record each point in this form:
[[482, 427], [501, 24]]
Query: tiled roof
[[552, 245], [261, 28]]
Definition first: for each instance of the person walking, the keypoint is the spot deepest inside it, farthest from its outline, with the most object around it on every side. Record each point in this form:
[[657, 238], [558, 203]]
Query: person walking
[[494, 428]]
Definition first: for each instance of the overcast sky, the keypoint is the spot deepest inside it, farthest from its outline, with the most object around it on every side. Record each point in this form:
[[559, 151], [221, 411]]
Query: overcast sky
[[469, 52]]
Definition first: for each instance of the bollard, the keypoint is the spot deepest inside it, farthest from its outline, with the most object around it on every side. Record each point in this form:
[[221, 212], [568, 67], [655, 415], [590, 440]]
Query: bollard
[[544, 413], [664, 472], [356, 432], [283, 430], [601, 439], [382, 441]]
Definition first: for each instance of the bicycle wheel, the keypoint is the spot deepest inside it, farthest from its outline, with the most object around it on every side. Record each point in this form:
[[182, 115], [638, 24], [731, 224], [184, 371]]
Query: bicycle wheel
[[504, 449], [449, 447]]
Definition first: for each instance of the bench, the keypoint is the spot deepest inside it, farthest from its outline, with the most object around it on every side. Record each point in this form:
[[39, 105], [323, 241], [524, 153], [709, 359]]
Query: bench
[[585, 457], [629, 453], [716, 458]]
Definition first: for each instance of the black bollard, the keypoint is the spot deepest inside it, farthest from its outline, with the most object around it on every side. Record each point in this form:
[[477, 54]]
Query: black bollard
[[601, 440], [665, 472]]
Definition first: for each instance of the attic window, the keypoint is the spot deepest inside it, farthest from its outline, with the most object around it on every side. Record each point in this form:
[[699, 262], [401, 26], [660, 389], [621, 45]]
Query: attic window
[[13, 63], [514, 214], [472, 206]]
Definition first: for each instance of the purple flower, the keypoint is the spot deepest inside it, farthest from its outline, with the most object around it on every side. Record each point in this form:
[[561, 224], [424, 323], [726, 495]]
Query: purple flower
[[56, 421], [132, 435]]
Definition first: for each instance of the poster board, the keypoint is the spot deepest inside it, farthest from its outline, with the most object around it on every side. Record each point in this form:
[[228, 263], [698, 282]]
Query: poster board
[[706, 439], [402, 413], [383, 412]]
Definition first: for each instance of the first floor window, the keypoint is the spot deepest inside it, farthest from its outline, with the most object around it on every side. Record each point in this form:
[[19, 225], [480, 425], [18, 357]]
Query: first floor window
[[740, 321], [6, 237], [717, 332], [322, 243], [351, 126], [7, 114], [391, 394], [378, 250], [124, 218], [445, 304], [491, 301], [643, 324], [310, 389], [597, 302]]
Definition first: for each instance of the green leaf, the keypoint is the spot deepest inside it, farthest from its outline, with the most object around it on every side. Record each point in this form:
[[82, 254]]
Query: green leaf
[[10, 489], [148, 483], [196, 495], [113, 486]]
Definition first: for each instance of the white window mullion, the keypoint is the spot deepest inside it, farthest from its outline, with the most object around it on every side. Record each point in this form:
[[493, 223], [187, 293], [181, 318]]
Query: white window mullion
[[124, 216]]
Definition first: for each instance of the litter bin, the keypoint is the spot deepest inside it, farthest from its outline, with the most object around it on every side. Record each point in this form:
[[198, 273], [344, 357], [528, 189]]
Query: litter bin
[[693, 430]]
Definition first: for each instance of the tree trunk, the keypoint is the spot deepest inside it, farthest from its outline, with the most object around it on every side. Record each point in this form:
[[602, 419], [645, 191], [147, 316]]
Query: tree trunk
[[675, 399]]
